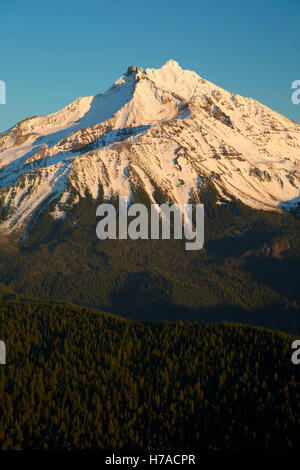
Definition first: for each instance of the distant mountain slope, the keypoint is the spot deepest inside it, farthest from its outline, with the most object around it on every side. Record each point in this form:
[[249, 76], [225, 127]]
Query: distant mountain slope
[[165, 133], [156, 136], [248, 270], [80, 379]]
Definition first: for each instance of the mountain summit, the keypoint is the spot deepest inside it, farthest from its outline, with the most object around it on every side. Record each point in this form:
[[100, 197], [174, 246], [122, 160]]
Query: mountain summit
[[166, 132]]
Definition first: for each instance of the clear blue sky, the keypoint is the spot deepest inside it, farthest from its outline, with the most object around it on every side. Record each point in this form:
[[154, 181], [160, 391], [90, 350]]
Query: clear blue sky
[[54, 51]]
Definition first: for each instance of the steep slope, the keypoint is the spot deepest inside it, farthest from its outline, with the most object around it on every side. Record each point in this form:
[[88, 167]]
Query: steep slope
[[167, 133]]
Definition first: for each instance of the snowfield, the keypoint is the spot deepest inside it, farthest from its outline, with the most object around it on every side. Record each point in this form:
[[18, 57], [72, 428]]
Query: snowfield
[[168, 129]]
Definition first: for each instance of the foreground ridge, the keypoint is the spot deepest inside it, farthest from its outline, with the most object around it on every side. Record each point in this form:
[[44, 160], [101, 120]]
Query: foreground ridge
[[96, 380]]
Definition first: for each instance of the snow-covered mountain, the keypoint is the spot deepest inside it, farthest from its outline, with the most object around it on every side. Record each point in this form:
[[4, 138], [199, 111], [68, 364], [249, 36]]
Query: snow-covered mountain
[[165, 130]]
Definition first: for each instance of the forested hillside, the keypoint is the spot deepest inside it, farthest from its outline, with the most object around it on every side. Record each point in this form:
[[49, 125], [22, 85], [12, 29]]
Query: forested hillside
[[79, 378], [248, 270]]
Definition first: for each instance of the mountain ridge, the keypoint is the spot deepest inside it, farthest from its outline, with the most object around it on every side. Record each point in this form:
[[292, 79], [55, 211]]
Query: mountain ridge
[[164, 128]]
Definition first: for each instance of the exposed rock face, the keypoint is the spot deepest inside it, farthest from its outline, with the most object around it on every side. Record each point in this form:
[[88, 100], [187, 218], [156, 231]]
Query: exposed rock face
[[161, 128]]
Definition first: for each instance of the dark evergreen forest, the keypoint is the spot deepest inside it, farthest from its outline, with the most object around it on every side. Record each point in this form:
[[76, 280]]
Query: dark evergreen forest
[[78, 378]]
